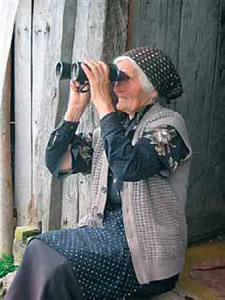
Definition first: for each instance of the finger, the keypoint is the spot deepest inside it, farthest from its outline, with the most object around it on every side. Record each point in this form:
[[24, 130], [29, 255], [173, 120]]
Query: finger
[[84, 88], [104, 67], [99, 69], [93, 69], [73, 85]]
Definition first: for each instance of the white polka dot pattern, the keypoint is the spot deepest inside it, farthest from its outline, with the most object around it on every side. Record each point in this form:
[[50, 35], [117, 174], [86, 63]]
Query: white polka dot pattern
[[100, 257]]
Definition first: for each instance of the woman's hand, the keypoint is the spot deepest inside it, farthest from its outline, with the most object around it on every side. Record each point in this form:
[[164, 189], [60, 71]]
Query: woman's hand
[[78, 101], [97, 73]]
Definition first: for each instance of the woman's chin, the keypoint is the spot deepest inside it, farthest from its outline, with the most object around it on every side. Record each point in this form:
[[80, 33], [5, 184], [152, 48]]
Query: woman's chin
[[120, 105]]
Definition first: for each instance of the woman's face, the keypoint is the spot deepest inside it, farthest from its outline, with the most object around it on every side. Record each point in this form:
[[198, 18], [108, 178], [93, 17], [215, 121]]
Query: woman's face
[[131, 96]]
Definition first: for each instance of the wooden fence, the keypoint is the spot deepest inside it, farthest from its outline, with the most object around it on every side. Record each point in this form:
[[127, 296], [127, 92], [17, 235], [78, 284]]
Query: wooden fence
[[46, 32], [191, 32]]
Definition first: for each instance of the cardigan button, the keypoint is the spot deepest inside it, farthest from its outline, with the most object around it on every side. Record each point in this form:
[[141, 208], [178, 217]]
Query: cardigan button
[[103, 189], [100, 215]]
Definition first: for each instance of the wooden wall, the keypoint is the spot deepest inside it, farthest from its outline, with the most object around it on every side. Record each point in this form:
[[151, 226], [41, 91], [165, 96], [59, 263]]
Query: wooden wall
[[192, 33], [47, 31]]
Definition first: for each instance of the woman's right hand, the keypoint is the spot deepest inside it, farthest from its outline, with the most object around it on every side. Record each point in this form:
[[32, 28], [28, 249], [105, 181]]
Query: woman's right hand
[[78, 101]]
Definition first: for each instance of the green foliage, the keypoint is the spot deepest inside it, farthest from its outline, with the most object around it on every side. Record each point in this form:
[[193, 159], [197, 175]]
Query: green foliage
[[6, 265]]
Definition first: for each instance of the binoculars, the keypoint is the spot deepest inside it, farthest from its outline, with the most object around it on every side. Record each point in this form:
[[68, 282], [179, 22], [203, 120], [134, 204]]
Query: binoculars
[[74, 71]]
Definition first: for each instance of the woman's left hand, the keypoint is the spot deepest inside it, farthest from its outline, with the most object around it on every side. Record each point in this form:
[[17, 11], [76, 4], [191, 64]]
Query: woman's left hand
[[98, 75]]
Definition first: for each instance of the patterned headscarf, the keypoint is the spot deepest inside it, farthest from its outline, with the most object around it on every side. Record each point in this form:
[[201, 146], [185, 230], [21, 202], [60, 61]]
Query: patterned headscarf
[[159, 69]]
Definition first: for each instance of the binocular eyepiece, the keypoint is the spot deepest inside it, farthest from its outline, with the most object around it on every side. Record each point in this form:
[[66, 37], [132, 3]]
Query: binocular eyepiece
[[75, 72]]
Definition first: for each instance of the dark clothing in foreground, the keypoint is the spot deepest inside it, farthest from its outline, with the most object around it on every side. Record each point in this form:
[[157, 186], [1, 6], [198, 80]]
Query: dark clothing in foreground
[[44, 275]]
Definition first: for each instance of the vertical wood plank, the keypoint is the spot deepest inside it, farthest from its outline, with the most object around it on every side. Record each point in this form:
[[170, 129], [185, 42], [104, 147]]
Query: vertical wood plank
[[44, 101], [197, 68], [116, 27], [6, 197], [156, 23], [52, 41], [7, 15], [214, 206], [23, 147]]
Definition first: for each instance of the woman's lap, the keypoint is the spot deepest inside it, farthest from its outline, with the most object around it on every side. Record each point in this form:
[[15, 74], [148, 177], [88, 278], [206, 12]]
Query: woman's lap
[[100, 260], [99, 257]]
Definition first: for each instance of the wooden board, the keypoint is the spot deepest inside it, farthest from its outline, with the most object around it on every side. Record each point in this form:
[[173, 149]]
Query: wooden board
[[49, 97], [6, 194], [22, 92], [211, 207], [157, 24], [198, 57], [7, 16]]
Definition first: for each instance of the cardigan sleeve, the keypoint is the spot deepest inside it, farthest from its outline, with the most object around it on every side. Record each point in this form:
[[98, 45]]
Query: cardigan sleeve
[[62, 138], [149, 156]]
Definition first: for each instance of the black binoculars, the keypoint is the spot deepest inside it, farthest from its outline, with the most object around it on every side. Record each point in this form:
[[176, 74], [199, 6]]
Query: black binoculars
[[74, 71]]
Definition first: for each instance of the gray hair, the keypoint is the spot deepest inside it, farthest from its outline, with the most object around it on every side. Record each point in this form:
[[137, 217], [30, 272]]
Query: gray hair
[[144, 81]]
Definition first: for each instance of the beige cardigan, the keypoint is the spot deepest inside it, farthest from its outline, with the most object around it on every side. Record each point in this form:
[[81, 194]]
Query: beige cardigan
[[153, 209]]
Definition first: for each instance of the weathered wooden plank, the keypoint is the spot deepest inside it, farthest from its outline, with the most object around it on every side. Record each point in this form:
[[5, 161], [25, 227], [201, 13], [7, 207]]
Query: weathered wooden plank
[[94, 39], [116, 26], [7, 15], [214, 205], [22, 85], [157, 24], [197, 68], [6, 197], [52, 41]]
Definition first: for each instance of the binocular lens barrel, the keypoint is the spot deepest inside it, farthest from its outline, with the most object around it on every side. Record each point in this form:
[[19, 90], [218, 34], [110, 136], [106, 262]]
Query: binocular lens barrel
[[74, 71], [77, 73], [63, 70]]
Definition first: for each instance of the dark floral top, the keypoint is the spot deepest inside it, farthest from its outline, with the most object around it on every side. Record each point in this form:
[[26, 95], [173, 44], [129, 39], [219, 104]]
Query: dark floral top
[[159, 149]]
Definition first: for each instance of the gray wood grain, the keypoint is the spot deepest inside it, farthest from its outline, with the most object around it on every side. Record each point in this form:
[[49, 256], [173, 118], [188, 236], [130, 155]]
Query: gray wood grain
[[214, 184], [52, 41], [7, 15], [23, 138], [192, 34], [6, 189], [198, 51]]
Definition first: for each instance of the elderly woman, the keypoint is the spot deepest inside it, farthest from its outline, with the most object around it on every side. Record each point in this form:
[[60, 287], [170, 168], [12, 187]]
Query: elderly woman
[[133, 240]]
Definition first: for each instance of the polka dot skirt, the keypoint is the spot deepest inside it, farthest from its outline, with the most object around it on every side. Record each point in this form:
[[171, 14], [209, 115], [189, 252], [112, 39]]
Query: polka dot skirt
[[100, 257]]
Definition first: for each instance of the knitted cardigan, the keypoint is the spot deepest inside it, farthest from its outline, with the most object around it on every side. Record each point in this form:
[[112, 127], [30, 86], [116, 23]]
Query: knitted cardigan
[[153, 209]]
